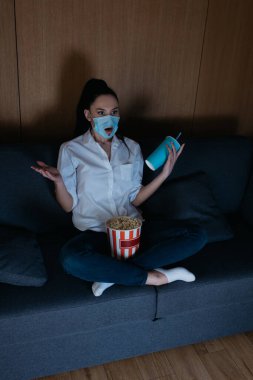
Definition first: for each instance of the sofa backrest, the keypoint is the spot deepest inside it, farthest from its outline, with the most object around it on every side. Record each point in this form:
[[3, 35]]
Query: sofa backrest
[[226, 160], [27, 199]]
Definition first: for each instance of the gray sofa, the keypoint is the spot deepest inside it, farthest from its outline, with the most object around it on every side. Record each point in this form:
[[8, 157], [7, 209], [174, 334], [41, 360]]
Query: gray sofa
[[50, 322]]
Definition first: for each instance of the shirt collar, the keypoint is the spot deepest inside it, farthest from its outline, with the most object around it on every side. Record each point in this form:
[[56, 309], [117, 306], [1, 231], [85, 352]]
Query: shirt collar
[[87, 137]]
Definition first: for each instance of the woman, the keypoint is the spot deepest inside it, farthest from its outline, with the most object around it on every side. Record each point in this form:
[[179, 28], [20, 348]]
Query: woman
[[99, 176]]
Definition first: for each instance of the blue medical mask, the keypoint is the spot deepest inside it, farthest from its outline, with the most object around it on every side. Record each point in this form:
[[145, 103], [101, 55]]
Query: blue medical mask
[[103, 122]]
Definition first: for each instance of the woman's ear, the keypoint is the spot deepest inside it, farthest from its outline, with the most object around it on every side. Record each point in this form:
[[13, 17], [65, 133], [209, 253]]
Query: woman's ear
[[87, 115]]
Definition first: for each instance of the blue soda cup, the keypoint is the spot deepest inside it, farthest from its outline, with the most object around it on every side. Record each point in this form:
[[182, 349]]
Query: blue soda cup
[[157, 158]]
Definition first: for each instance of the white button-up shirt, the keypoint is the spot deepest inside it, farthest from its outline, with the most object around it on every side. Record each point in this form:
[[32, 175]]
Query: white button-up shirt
[[101, 189]]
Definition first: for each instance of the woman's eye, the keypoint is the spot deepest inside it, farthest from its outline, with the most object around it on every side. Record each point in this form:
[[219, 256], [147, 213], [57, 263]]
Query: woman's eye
[[115, 112], [100, 113]]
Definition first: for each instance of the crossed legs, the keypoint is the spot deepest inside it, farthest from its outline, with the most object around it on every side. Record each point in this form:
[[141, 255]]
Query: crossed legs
[[87, 256]]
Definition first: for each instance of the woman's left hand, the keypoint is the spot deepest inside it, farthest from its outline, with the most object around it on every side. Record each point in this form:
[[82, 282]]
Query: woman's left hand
[[149, 189], [172, 159]]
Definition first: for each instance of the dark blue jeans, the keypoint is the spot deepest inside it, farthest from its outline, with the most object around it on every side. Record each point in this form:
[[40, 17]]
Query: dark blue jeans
[[88, 254]]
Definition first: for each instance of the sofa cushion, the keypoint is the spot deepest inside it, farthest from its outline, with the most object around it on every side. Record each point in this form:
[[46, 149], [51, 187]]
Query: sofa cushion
[[66, 306], [224, 276], [21, 261], [28, 199], [190, 199]]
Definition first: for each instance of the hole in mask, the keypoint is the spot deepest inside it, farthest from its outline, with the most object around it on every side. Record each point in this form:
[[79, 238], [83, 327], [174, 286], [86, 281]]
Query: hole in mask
[[108, 130]]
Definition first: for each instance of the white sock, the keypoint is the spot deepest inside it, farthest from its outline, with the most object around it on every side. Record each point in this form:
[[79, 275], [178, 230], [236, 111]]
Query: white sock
[[178, 273], [99, 287]]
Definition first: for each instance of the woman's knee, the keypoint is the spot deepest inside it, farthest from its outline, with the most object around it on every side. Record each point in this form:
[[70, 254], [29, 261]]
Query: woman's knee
[[73, 254], [68, 254], [66, 258], [200, 235]]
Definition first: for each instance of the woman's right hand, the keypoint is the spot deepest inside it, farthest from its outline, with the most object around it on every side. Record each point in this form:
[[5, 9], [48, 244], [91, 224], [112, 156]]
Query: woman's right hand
[[46, 171]]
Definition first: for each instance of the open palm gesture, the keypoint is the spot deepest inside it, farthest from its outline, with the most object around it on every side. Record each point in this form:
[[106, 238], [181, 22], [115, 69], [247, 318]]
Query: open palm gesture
[[46, 171]]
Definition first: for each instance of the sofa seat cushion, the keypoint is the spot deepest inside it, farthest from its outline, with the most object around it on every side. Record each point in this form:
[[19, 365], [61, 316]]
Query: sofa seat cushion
[[224, 275], [21, 261], [66, 306]]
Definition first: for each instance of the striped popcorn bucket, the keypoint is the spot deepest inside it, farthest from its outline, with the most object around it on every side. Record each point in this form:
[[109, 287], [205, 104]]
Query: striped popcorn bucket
[[123, 243]]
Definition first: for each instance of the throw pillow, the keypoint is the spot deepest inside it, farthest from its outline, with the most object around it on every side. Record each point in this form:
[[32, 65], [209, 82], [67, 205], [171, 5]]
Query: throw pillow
[[189, 199], [21, 261]]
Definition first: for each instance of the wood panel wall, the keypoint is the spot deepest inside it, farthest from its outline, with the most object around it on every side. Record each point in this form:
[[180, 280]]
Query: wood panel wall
[[9, 97], [225, 91], [174, 64]]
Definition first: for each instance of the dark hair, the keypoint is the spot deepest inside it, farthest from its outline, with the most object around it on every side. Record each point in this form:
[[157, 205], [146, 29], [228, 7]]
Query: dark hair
[[92, 89]]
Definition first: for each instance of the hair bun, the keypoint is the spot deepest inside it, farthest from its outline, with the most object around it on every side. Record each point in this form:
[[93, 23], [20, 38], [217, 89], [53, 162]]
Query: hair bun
[[95, 85]]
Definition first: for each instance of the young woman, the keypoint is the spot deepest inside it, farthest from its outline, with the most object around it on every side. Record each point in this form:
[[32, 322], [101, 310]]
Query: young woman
[[99, 176]]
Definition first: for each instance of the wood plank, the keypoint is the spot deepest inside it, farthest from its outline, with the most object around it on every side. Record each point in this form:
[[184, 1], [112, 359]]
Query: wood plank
[[200, 348], [241, 351], [123, 370], [220, 366], [9, 97], [249, 335], [225, 93], [214, 345], [164, 368], [187, 364], [147, 366], [154, 366]]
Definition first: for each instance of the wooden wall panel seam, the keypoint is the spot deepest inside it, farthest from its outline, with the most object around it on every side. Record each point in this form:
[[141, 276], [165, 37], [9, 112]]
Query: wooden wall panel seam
[[200, 65]]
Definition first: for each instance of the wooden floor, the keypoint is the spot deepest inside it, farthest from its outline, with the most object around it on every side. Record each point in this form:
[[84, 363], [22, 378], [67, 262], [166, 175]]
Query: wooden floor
[[229, 358]]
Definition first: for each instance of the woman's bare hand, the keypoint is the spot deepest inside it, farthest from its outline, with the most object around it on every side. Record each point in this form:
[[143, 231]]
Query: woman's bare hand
[[46, 171], [172, 159]]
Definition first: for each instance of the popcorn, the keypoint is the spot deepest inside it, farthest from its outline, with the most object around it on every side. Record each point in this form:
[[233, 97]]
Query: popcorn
[[124, 223], [124, 236]]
